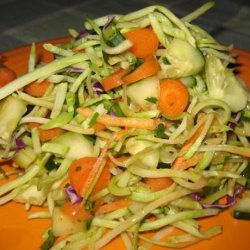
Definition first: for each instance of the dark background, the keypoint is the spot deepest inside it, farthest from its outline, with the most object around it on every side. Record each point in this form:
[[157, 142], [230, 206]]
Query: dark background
[[25, 21]]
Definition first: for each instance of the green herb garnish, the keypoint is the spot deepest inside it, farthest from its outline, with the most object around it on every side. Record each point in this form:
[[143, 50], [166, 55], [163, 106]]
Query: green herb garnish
[[165, 61], [159, 131], [151, 99]]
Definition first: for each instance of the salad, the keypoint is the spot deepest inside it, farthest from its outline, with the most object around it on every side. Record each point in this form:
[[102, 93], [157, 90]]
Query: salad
[[138, 125]]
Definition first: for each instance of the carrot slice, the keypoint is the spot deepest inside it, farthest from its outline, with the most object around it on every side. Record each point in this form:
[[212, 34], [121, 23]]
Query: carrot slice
[[181, 163], [37, 89], [156, 184], [149, 68], [82, 173], [79, 171], [173, 98], [145, 42], [76, 212], [114, 80], [107, 208], [46, 135], [6, 75]]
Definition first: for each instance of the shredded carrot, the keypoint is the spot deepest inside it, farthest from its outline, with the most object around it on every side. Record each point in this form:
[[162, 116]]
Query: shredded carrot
[[32, 125], [149, 68], [46, 135], [173, 98], [99, 202], [180, 162], [103, 179], [75, 211], [6, 75], [107, 208], [119, 134], [114, 80], [145, 42], [156, 184], [192, 140], [92, 174], [37, 89], [98, 126], [129, 122]]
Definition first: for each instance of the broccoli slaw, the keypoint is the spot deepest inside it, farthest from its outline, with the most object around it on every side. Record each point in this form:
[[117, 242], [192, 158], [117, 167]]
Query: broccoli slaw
[[104, 106]]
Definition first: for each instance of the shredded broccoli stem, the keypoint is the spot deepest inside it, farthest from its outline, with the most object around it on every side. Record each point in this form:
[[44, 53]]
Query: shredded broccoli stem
[[31, 172], [44, 71], [198, 12]]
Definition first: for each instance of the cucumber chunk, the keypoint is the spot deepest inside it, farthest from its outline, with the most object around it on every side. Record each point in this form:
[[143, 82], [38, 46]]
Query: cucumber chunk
[[141, 90], [184, 60], [79, 146], [241, 210]]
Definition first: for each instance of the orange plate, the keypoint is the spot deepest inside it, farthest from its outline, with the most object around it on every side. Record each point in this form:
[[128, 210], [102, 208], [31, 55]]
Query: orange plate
[[17, 233]]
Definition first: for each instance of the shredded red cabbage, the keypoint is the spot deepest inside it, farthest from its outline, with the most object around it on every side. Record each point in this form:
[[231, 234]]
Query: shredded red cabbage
[[160, 46], [74, 70], [195, 196], [237, 117], [230, 133], [73, 196], [110, 19], [98, 88], [233, 125], [19, 143], [113, 113], [82, 33], [230, 200]]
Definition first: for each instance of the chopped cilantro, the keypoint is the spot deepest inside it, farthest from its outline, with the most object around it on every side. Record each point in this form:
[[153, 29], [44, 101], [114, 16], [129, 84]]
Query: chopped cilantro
[[159, 131], [151, 99], [165, 60]]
